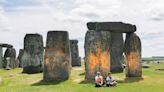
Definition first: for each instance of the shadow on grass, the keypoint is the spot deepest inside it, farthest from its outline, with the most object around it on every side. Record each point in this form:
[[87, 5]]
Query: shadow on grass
[[43, 82], [87, 82], [82, 74], [126, 80], [130, 80]]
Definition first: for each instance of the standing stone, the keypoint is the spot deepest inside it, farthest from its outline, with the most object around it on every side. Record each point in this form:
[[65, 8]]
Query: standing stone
[[97, 53], [10, 58], [117, 49], [133, 55], [76, 60], [57, 61], [32, 58], [1, 57], [20, 57]]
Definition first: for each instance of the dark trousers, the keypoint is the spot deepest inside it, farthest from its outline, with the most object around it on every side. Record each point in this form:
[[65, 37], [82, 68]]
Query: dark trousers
[[98, 85]]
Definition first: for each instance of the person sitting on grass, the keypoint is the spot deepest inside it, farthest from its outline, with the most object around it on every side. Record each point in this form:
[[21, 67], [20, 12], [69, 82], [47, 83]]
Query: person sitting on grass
[[110, 81], [98, 80]]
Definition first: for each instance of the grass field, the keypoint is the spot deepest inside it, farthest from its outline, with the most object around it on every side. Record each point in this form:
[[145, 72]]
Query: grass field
[[15, 81]]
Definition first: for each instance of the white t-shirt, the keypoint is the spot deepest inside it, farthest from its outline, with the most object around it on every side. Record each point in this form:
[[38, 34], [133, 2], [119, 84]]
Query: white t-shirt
[[99, 78], [109, 79]]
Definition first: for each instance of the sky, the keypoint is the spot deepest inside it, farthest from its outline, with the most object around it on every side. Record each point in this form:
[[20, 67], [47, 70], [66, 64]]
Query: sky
[[19, 17]]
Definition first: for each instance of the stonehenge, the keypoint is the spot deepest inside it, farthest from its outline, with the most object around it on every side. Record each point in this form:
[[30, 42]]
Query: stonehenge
[[105, 51], [57, 59], [76, 60], [32, 58], [116, 47], [97, 49]]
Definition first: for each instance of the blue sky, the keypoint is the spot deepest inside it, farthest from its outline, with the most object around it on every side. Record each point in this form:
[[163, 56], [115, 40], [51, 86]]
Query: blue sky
[[18, 17]]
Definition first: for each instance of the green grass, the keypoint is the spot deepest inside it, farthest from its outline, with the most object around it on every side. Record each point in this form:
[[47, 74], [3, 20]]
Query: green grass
[[15, 81]]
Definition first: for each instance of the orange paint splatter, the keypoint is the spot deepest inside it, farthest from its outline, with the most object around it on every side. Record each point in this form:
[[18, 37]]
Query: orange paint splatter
[[134, 63], [99, 61], [56, 59]]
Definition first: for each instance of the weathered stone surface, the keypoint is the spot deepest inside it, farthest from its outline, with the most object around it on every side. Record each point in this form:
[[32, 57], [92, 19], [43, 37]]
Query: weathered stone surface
[[97, 53], [118, 27], [1, 53], [117, 49], [91, 25], [6, 45], [20, 57], [32, 58], [133, 55], [76, 60], [57, 61], [10, 58]]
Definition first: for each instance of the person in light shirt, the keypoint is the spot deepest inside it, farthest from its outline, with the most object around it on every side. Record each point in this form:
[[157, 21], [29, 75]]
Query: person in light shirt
[[110, 81], [98, 80]]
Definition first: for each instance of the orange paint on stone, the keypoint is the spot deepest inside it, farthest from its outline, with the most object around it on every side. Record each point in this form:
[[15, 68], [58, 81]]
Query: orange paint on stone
[[104, 60], [134, 63], [99, 61], [52, 59], [93, 62]]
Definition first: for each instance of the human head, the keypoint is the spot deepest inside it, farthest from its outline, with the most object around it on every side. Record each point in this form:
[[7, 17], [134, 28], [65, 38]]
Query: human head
[[109, 73], [98, 73]]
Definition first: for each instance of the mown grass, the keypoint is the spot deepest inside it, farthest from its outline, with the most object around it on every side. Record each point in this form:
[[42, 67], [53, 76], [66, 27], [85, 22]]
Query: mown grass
[[15, 81]]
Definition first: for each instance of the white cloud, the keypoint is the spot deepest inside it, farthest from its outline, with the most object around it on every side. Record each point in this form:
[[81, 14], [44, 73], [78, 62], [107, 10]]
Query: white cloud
[[3, 20], [154, 10]]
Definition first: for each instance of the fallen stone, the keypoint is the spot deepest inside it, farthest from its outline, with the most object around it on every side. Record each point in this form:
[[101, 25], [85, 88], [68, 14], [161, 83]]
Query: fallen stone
[[57, 61], [160, 69], [133, 55], [145, 65]]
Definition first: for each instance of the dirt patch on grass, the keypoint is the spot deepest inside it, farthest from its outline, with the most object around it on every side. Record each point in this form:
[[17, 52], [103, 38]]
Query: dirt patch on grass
[[78, 80], [78, 68]]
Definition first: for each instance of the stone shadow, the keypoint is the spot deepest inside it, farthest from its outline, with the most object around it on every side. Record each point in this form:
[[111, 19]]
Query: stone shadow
[[87, 82], [43, 82], [82, 74], [126, 80]]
